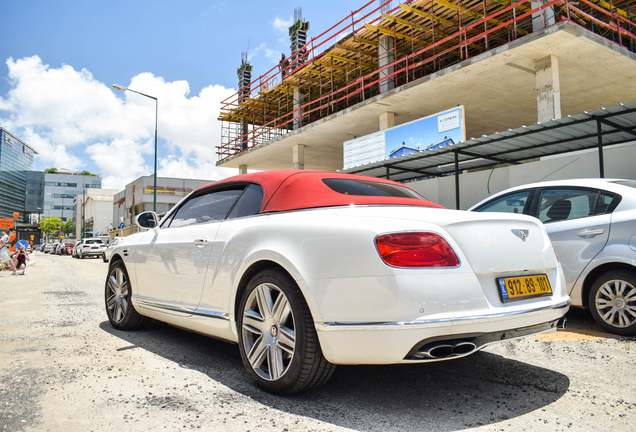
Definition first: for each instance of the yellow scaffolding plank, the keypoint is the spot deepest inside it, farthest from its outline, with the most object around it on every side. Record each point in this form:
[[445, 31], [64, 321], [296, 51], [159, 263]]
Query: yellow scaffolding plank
[[427, 15], [323, 74], [329, 65], [405, 22], [365, 41], [353, 50], [350, 61], [388, 32]]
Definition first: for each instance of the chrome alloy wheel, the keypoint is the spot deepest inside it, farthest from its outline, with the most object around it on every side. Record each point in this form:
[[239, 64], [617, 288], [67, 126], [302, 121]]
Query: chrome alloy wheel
[[117, 295], [616, 303], [268, 331]]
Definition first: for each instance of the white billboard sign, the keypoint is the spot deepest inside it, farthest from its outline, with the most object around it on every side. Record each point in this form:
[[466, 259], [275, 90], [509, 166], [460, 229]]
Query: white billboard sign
[[428, 133]]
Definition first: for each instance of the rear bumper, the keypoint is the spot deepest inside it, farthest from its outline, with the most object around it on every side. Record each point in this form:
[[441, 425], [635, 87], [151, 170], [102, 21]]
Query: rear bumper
[[92, 252], [404, 342]]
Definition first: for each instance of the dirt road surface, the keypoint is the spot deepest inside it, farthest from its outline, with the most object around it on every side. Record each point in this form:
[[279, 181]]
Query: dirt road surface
[[64, 368]]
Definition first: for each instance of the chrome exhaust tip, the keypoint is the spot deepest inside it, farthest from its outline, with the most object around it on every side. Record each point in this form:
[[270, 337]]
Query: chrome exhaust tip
[[446, 350], [561, 323]]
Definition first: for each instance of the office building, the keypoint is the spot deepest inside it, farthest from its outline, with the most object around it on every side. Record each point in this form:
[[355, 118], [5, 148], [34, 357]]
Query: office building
[[16, 158]]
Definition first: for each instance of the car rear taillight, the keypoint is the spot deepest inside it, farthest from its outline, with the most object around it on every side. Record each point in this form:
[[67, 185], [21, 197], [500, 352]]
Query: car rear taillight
[[416, 249]]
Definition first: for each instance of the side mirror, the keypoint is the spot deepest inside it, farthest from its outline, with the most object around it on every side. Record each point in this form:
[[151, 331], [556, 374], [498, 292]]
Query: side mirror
[[147, 220]]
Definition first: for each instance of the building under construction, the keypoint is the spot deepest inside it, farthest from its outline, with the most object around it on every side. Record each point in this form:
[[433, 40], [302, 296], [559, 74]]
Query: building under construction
[[508, 63]]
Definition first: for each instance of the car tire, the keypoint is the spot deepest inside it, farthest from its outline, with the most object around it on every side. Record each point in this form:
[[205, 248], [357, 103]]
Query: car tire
[[117, 295], [612, 302], [80, 256], [104, 257], [275, 328]]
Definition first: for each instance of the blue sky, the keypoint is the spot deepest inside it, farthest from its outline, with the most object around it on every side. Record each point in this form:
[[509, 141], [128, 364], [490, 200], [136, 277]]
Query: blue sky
[[59, 60]]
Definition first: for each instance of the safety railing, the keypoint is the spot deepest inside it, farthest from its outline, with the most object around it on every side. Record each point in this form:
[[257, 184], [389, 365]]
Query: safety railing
[[476, 36]]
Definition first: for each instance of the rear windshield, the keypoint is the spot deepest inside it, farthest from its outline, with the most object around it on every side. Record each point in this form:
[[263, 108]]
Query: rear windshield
[[370, 188], [95, 241]]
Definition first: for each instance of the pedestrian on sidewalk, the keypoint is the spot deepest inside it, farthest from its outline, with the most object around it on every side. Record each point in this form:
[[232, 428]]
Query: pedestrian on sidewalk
[[4, 249], [19, 259]]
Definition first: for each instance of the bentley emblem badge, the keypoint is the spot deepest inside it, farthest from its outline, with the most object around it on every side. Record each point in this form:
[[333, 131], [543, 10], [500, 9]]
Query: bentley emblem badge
[[522, 233]]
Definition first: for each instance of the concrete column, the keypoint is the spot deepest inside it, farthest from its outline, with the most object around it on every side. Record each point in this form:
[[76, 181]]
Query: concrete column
[[548, 88], [386, 55], [298, 97], [243, 169], [548, 16], [387, 120], [299, 156]]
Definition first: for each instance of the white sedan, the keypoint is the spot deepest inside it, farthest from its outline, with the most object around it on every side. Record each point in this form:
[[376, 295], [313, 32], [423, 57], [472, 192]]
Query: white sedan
[[306, 270]]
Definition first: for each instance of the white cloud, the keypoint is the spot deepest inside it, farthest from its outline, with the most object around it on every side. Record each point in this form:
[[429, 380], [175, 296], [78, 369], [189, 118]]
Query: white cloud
[[283, 25], [182, 168], [73, 121]]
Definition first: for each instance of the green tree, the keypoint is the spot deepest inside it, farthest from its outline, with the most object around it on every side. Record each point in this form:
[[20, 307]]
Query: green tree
[[51, 226], [68, 228], [50, 170], [88, 173]]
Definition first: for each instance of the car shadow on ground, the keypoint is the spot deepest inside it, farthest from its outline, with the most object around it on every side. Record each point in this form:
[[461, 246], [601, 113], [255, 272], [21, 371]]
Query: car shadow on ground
[[480, 389], [580, 323]]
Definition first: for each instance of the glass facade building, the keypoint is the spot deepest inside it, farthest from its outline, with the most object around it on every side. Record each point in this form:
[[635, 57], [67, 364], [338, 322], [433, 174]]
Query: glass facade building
[[61, 188], [16, 158]]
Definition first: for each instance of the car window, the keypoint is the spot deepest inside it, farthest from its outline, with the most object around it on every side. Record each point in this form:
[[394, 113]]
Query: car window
[[249, 203], [93, 241], [513, 203], [565, 204], [370, 188], [205, 208], [605, 201]]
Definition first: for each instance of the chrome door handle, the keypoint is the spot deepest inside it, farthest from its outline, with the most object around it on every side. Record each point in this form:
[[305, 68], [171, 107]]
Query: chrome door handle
[[590, 232], [201, 242]]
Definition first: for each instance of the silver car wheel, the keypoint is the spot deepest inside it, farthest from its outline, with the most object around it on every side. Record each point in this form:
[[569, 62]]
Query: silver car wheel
[[268, 331], [616, 303], [117, 295]]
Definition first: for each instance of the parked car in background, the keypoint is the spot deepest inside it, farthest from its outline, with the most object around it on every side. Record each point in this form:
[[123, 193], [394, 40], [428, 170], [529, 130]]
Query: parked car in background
[[108, 251], [90, 247], [592, 224], [68, 248], [309, 269], [74, 252], [47, 248]]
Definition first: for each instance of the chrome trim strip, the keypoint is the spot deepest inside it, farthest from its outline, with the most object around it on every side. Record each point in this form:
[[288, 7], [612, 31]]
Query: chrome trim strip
[[211, 314], [443, 321], [203, 313]]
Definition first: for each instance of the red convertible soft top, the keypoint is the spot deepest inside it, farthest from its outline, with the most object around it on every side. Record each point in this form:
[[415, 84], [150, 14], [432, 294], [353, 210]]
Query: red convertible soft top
[[300, 189]]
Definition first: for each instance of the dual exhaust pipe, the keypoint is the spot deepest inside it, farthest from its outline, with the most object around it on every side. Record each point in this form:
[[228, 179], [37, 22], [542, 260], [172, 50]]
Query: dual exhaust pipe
[[448, 349], [444, 350]]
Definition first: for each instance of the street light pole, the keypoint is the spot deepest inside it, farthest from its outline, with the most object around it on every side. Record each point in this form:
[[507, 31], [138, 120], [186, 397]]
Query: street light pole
[[154, 193]]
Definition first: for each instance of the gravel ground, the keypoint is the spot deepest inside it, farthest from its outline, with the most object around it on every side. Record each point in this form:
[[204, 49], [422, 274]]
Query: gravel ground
[[63, 367]]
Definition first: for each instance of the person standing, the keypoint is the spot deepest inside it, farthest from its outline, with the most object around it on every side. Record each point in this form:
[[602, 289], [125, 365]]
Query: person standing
[[4, 249]]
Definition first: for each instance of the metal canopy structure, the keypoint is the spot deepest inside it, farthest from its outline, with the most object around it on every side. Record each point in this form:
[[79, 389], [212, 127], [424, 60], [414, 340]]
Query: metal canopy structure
[[588, 130]]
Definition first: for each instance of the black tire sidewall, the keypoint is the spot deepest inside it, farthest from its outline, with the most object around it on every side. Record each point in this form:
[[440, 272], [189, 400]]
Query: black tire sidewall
[[125, 323], [291, 291], [611, 275]]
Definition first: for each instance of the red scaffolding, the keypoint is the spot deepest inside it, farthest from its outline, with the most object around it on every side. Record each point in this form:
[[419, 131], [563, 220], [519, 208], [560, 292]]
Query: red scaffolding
[[343, 65]]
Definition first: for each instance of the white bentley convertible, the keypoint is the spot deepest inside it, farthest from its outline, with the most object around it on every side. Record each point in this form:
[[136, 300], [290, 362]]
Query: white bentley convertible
[[306, 270]]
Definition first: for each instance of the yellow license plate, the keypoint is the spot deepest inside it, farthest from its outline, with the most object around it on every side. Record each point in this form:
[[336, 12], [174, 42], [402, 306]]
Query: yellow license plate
[[519, 288]]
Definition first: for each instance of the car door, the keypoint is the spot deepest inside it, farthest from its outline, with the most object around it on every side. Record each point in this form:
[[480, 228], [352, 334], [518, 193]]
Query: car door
[[171, 264], [230, 248], [577, 224]]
